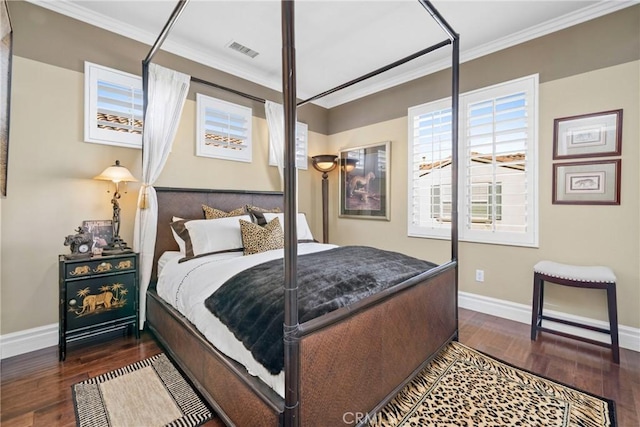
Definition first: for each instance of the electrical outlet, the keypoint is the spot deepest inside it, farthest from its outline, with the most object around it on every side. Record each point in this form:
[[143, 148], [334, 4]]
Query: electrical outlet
[[479, 275]]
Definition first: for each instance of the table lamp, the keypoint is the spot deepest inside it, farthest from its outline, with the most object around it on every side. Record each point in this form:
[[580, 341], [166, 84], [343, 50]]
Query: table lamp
[[116, 174]]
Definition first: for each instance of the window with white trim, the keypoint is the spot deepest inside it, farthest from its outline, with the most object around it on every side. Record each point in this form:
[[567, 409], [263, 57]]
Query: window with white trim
[[223, 129], [302, 142], [112, 107], [498, 196]]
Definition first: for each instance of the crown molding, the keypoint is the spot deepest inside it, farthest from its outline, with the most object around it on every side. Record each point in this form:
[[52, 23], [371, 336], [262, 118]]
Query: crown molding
[[588, 13], [76, 11]]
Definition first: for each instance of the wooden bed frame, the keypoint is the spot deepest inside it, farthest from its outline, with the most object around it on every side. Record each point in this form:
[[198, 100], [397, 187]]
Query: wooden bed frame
[[353, 360], [340, 367]]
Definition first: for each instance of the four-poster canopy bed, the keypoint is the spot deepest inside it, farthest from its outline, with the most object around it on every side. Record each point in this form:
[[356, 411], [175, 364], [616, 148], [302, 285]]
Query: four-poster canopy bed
[[351, 360]]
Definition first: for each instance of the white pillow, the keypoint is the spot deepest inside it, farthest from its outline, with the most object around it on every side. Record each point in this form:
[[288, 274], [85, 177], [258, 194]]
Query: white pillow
[[215, 235], [304, 232]]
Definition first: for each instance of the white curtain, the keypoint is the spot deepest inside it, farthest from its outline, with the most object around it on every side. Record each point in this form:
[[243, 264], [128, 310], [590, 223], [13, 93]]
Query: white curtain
[[166, 94], [275, 123]]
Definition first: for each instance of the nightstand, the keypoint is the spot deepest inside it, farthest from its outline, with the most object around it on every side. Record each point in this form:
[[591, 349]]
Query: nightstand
[[98, 296]]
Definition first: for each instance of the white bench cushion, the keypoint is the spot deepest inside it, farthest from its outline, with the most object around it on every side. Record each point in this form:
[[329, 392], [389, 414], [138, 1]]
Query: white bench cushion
[[576, 272]]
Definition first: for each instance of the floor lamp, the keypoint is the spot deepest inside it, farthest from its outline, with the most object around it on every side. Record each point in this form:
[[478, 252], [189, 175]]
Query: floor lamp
[[116, 174], [325, 163]]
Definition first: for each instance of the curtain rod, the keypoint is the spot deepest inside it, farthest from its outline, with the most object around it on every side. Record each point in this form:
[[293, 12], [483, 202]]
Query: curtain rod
[[165, 31], [237, 92], [378, 71], [425, 3], [439, 19]]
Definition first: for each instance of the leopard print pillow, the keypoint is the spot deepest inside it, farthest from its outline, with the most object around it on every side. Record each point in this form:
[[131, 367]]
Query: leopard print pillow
[[256, 238], [213, 213]]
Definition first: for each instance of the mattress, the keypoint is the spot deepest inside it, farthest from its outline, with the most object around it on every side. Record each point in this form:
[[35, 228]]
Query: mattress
[[186, 285]]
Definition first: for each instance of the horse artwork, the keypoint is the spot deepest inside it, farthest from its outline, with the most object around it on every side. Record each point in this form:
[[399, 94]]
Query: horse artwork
[[364, 183], [360, 184]]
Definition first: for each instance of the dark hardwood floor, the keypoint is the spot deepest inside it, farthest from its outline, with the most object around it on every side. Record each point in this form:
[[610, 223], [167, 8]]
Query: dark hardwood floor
[[36, 389]]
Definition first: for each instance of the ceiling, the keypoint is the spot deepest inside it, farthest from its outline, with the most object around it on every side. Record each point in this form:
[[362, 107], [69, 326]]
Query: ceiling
[[336, 41]]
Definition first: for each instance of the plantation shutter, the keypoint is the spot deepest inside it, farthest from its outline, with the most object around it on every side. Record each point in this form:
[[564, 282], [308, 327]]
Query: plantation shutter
[[302, 137], [113, 107], [496, 135], [498, 165], [223, 129], [430, 169], [301, 145], [119, 107]]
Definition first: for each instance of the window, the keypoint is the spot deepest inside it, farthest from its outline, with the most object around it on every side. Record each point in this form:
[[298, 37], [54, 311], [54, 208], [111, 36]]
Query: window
[[223, 129], [302, 138], [113, 107], [497, 201]]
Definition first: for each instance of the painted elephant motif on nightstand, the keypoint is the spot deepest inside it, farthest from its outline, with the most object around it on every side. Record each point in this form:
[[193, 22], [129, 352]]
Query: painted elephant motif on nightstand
[[80, 270], [105, 266], [90, 302]]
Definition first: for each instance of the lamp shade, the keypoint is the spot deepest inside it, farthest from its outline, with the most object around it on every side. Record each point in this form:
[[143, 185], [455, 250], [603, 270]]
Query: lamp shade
[[116, 173], [324, 162]]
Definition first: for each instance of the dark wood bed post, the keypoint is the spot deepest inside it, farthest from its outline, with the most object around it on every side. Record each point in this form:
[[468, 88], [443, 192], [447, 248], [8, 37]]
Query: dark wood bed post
[[152, 52], [291, 326], [455, 103], [455, 106], [253, 402]]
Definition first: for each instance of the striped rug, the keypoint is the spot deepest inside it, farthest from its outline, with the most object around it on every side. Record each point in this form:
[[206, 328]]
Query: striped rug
[[148, 393], [462, 387]]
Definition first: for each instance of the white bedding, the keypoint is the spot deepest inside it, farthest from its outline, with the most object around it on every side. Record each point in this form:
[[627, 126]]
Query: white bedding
[[186, 285]]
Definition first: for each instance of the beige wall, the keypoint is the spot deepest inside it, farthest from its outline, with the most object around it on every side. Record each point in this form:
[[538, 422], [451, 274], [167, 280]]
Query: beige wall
[[604, 235], [50, 167], [51, 190]]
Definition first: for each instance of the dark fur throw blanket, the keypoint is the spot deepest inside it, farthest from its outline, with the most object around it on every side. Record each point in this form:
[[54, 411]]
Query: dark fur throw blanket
[[251, 303]]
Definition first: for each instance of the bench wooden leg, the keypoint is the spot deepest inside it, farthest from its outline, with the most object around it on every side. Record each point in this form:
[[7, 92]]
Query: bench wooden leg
[[536, 310], [613, 321]]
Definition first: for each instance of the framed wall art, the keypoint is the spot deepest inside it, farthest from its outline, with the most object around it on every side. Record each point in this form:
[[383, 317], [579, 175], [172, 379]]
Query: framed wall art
[[101, 231], [587, 183], [364, 181], [6, 51], [588, 135]]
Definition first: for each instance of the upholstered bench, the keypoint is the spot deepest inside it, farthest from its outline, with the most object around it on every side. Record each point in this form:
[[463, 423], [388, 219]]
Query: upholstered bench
[[592, 277]]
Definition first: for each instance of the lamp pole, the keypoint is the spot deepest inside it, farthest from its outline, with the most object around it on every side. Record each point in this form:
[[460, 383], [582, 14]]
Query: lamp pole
[[325, 163], [325, 207]]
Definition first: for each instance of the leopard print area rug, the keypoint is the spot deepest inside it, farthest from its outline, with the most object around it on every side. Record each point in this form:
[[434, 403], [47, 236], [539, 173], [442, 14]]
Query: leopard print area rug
[[462, 387]]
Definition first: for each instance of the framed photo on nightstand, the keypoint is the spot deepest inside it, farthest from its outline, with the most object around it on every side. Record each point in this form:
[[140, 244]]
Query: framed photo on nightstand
[[101, 231]]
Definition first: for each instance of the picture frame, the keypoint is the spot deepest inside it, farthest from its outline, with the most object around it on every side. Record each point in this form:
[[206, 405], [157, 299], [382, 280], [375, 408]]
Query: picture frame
[[588, 135], [101, 231], [6, 60], [364, 181], [587, 183]]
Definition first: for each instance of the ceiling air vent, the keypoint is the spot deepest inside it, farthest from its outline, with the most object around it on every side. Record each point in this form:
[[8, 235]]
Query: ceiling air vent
[[243, 49]]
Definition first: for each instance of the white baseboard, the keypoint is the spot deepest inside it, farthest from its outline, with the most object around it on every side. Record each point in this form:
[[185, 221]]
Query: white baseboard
[[17, 343], [629, 337], [21, 342]]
